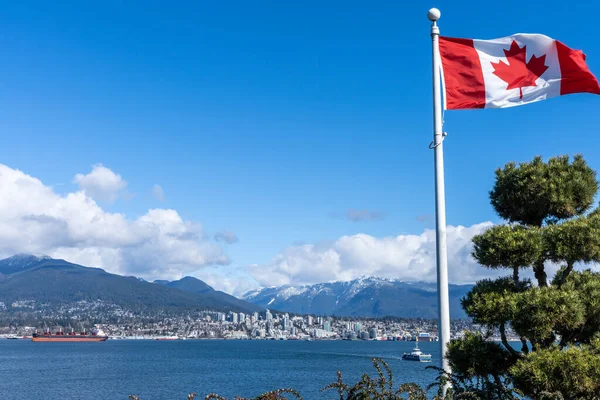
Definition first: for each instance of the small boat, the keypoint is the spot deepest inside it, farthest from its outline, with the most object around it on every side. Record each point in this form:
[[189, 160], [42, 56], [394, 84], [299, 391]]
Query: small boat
[[416, 355]]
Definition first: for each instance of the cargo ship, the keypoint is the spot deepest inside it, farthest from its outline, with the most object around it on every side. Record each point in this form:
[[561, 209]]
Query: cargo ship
[[96, 335]]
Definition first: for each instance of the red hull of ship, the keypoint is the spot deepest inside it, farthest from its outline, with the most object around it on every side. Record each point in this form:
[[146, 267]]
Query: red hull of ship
[[69, 339]]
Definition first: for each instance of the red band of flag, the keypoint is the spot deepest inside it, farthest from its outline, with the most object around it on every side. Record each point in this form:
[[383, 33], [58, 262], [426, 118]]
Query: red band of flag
[[511, 71], [463, 77]]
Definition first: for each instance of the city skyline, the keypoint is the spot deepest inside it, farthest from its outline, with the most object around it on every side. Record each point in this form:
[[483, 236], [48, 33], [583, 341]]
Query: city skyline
[[247, 150], [121, 323]]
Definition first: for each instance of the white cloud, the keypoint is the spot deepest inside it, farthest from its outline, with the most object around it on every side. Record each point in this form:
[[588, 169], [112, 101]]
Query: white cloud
[[158, 193], [407, 257], [236, 284], [227, 237], [159, 244], [101, 183]]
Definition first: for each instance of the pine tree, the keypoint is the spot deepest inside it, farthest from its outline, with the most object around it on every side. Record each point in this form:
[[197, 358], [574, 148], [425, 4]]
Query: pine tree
[[546, 207]]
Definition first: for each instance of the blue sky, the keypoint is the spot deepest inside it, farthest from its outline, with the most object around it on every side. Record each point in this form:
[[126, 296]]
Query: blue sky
[[272, 120]]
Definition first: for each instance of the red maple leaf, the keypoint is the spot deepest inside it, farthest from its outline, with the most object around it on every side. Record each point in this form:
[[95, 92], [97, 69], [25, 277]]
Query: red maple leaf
[[518, 73]]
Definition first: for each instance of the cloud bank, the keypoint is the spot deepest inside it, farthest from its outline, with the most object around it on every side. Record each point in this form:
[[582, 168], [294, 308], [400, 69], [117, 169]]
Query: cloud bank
[[157, 245], [407, 257], [162, 245]]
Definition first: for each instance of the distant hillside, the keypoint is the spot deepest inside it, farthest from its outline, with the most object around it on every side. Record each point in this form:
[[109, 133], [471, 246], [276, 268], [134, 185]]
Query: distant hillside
[[46, 280], [365, 297], [189, 284]]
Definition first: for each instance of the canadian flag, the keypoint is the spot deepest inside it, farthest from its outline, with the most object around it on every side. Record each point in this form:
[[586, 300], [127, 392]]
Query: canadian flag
[[511, 71]]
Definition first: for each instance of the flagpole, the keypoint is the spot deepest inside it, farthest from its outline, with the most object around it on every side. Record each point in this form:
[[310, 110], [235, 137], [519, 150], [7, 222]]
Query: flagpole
[[440, 197]]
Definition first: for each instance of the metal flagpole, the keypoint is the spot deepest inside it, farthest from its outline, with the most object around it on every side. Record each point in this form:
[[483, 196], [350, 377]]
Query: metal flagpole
[[440, 197]]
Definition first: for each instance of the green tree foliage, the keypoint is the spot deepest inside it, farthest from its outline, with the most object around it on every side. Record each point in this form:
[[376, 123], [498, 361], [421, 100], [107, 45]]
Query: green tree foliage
[[508, 246], [535, 194], [492, 303], [587, 286], [540, 312], [570, 374], [476, 357], [545, 205], [573, 241], [479, 367]]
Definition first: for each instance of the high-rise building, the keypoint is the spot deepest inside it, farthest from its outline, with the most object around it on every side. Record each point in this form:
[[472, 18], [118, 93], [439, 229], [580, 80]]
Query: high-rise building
[[327, 326], [310, 320], [286, 322], [255, 317], [357, 327], [242, 318], [372, 333], [268, 315]]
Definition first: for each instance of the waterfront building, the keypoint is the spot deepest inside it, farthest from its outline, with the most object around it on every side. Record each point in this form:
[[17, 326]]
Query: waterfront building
[[373, 333], [357, 327], [286, 322]]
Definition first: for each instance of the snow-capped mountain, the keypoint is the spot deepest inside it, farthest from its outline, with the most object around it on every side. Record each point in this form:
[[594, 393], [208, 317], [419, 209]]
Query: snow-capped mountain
[[20, 262], [367, 297]]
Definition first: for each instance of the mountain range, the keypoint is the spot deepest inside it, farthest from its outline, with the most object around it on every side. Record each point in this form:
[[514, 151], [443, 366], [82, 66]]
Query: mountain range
[[47, 280], [59, 282], [363, 297]]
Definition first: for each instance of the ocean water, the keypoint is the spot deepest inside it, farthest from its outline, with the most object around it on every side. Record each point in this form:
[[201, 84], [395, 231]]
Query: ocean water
[[170, 370]]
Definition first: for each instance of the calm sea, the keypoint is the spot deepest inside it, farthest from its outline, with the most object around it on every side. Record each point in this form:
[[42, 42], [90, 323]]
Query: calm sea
[[170, 370]]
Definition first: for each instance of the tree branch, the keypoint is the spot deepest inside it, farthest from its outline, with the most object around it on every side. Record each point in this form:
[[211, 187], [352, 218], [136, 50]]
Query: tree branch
[[566, 273], [524, 348], [540, 273], [510, 349]]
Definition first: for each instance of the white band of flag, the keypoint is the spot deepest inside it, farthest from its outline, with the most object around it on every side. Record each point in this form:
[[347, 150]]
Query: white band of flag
[[511, 71]]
